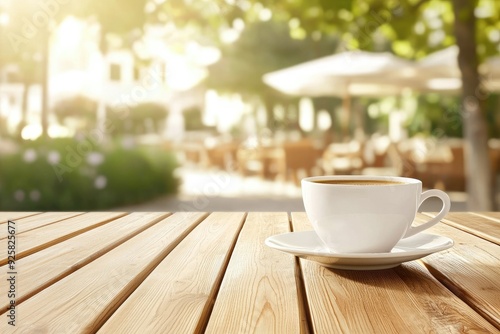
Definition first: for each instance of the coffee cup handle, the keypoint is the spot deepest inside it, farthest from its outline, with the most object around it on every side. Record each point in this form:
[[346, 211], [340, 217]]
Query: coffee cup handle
[[444, 210]]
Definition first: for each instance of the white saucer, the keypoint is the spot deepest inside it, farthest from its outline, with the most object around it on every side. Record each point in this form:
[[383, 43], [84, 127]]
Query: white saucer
[[307, 245]]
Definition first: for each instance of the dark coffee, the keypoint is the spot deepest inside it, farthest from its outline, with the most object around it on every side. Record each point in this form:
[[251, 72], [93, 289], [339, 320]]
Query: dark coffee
[[360, 182]]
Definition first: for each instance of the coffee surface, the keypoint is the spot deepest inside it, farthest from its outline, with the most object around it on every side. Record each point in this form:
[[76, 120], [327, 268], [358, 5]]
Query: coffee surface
[[360, 182]]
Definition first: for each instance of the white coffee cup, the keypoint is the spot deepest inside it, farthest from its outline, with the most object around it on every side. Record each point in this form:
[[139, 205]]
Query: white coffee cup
[[366, 214]]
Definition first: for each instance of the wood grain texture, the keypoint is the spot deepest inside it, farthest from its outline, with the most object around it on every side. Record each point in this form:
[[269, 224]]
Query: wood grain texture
[[183, 286], [471, 269], [492, 215], [37, 239], [477, 224], [82, 301], [35, 221], [4, 216], [259, 291], [178, 274], [402, 300], [49, 265]]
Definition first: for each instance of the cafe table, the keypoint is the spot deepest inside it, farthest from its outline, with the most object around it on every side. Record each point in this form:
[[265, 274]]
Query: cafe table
[[195, 272]]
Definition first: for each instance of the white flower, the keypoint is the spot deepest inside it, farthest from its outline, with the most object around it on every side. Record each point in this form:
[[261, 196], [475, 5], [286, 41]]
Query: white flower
[[95, 158], [19, 195], [35, 195], [100, 182], [53, 158], [29, 156]]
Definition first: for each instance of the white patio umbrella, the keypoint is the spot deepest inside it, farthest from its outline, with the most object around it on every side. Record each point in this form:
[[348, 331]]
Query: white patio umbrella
[[351, 73], [439, 72], [443, 62], [361, 73], [346, 74]]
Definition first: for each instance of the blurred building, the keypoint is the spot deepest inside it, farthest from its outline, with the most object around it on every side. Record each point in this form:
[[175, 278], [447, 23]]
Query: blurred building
[[77, 67]]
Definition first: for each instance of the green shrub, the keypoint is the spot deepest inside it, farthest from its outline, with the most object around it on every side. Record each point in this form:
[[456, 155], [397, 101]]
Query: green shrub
[[64, 174], [141, 119], [81, 108]]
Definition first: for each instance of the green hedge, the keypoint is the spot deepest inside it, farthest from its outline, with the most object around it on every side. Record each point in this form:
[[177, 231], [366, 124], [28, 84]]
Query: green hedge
[[67, 174]]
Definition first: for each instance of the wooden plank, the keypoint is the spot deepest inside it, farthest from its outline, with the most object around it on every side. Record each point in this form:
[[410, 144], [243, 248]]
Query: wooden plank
[[259, 291], [495, 216], [82, 301], [476, 224], [4, 216], [183, 286], [50, 265], [32, 222], [406, 299], [35, 240], [471, 269]]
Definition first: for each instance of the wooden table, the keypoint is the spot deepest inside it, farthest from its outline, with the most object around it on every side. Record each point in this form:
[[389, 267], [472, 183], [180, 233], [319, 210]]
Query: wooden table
[[198, 272]]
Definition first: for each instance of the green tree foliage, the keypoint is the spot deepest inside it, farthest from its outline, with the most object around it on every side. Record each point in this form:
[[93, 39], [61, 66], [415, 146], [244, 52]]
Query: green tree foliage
[[193, 119], [263, 47], [121, 18], [143, 118], [436, 114]]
